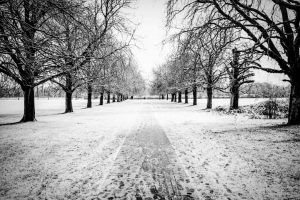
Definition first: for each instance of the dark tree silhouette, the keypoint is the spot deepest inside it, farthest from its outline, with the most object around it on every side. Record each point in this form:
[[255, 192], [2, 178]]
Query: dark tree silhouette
[[25, 46]]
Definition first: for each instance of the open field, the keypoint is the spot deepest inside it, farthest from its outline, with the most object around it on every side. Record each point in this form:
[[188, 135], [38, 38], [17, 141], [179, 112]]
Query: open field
[[122, 149], [11, 110]]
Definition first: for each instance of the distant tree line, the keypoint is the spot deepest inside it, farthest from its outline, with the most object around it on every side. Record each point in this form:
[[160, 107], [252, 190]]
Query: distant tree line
[[265, 90], [73, 44], [10, 89]]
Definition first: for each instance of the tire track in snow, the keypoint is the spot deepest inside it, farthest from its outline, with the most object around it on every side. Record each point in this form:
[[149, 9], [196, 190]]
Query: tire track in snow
[[147, 167], [125, 131]]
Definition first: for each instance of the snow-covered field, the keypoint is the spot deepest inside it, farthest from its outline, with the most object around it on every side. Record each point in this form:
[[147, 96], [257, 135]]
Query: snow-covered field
[[73, 156], [11, 110]]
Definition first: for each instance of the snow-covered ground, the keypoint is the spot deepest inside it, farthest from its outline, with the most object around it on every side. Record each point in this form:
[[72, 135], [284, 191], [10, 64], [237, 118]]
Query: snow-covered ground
[[233, 157], [11, 110], [61, 156], [73, 156]]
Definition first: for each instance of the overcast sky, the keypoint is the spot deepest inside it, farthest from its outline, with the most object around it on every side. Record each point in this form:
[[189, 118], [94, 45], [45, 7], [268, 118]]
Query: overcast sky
[[151, 17], [150, 14]]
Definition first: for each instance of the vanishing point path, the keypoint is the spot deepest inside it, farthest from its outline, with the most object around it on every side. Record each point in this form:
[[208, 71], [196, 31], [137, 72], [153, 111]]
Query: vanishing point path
[[146, 166], [147, 149]]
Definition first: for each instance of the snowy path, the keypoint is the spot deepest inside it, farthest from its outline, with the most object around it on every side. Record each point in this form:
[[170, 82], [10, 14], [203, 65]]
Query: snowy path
[[128, 148], [147, 166]]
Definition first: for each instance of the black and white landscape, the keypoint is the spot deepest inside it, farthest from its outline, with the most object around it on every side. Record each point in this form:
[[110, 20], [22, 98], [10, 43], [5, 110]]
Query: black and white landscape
[[141, 100]]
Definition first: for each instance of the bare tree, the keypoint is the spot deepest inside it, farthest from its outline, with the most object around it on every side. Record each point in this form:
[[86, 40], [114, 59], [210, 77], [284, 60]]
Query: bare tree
[[25, 46], [159, 84], [90, 39], [239, 72], [177, 74], [271, 26], [208, 47]]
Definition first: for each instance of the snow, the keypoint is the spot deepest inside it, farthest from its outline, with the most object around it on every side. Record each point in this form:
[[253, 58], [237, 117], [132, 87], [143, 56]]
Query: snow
[[61, 155], [11, 110], [75, 155], [233, 157]]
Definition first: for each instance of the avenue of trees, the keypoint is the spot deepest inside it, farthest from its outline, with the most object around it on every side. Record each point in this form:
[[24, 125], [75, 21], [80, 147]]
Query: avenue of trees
[[219, 42], [73, 44]]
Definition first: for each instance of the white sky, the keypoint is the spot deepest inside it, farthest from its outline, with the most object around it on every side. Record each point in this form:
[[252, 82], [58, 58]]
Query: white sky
[[151, 17], [150, 14]]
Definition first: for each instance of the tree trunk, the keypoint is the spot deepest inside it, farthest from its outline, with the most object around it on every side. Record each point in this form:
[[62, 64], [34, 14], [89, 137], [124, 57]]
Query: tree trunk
[[108, 97], [68, 96], [101, 98], [186, 96], [234, 99], [167, 96], [175, 97], [29, 109], [194, 95], [68, 102], [162, 96], [294, 107], [89, 100], [234, 90], [179, 97], [172, 97], [209, 92], [114, 98]]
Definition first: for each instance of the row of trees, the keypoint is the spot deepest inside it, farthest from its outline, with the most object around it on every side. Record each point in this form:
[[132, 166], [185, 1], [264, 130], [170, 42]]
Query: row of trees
[[71, 43], [222, 40], [251, 90], [204, 61]]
